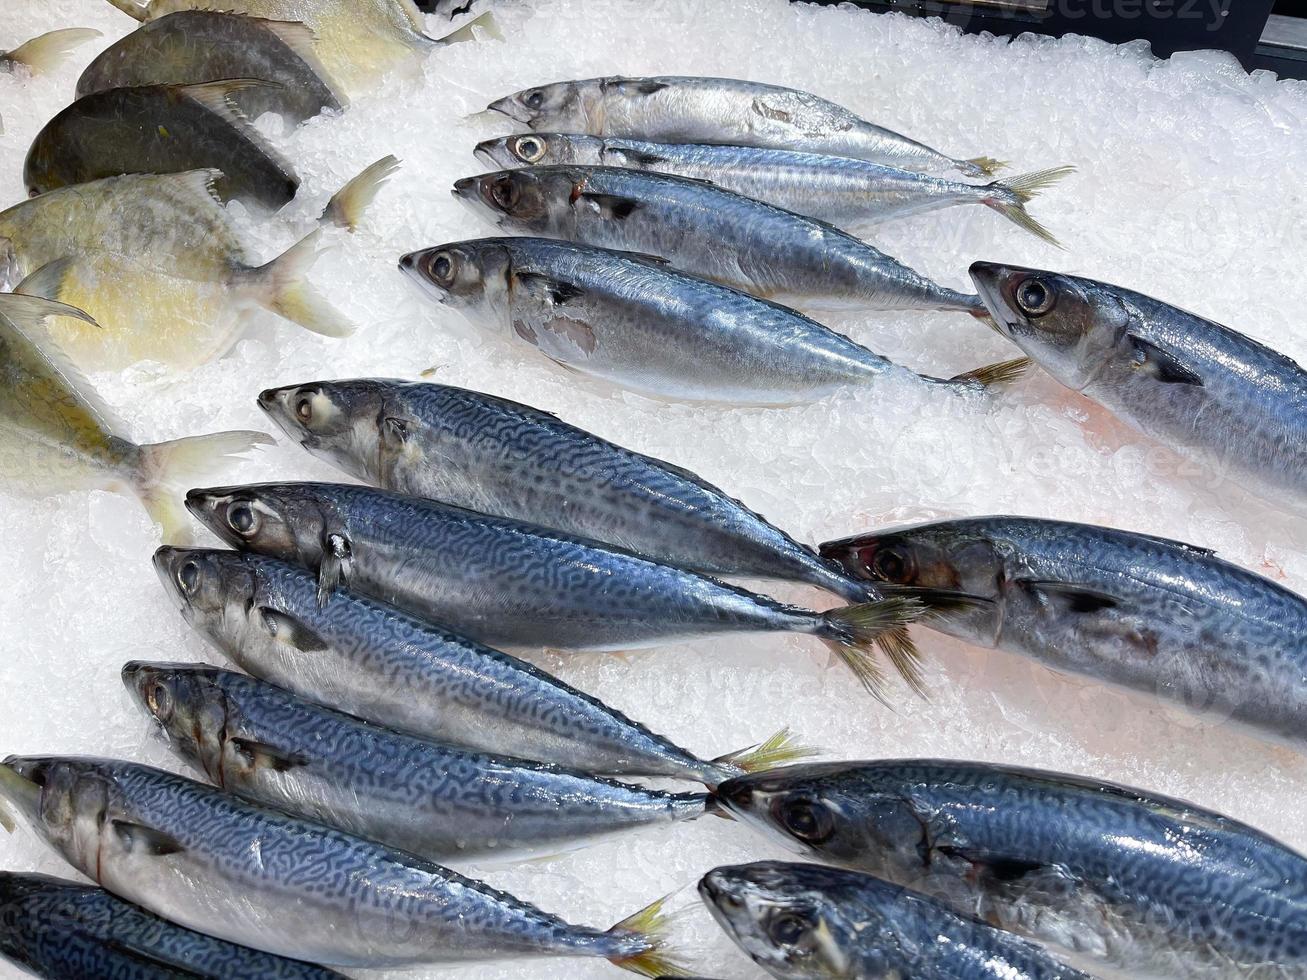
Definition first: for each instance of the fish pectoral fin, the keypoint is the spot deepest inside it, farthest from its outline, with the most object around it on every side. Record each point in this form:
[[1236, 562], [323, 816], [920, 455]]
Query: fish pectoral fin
[[289, 631], [334, 570], [638, 157], [632, 86], [147, 840], [48, 281], [556, 292], [259, 755], [1074, 598], [1161, 365], [149, 958], [613, 206]]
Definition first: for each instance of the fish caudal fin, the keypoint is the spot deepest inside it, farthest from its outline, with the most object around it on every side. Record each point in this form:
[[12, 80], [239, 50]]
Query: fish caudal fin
[[779, 750], [486, 23], [994, 375], [649, 925], [1009, 198], [46, 52], [167, 470], [347, 205], [855, 632], [282, 288], [981, 166], [19, 796]]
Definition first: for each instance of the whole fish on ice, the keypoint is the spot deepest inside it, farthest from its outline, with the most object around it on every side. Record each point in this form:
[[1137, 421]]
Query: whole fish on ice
[[810, 922], [378, 663], [507, 582], [708, 231], [1155, 886], [848, 193], [263, 878], [70, 931], [1210, 392], [681, 109], [56, 434], [1162, 617], [635, 322], [444, 803]]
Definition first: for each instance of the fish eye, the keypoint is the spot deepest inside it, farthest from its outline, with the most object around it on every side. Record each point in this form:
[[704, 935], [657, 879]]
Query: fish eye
[[504, 193], [1034, 297], [534, 99], [188, 577], [529, 148], [159, 700], [786, 929], [441, 268], [807, 820], [304, 408], [892, 565], [242, 519]]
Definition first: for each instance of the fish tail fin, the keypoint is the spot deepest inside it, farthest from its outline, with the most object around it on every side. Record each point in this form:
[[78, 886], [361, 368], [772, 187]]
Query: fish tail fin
[[854, 633], [486, 22], [168, 469], [47, 52], [981, 166], [19, 796], [140, 9], [283, 289], [1009, 198], [650, 925], [992, 376], [780, 749], [347, 205]]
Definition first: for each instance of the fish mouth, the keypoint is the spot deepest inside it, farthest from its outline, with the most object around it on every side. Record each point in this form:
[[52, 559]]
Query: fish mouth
[[994, 284], [465, 188], [484, 152], [507, 107]]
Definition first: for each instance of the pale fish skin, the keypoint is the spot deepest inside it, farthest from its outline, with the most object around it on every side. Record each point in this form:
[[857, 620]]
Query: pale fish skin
[[159, 264], [846, 192], [680, 109], [378, 663], [72, 931], [1155, 886], [508, 582], [811, 922], [56, 434], [1209, 392], [707, 231], [437, 801], [640, 324], [1161, 617], [265, 879], [501, 457], [193, 46]]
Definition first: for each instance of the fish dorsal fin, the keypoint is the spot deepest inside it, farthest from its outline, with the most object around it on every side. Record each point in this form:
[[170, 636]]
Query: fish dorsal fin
[[216, 97], [260, 755], [195, 183], [1161, 364], [136, 9], [554, 291], [291, 632], [302, 41], [1192, 549], [648, 258], [25, 315], [141, 839]]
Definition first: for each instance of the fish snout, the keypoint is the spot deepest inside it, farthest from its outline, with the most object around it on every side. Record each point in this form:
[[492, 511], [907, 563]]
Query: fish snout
[[465, 188]]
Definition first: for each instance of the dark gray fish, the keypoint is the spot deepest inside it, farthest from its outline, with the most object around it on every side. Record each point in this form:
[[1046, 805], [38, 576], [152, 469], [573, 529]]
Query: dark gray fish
[[504, 458], [708, 231], [46, 52], [161, 129], [443, 803], [846, 192], [1154, 885], [632, 320], [507, 582], [681, 109], [377, 663], [282, 884], [1158, 616], [1196, 386], [68, 931], [802, 921], [194, 46]]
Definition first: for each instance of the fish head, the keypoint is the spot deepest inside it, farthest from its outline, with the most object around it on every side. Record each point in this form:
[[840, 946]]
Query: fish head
[[342, 422], [1067, 324], [282, 520], [520, 200], [784, 916], [833, 811], [566, 106], [954, 567], [470, 276], [214, 589], [188, 706], [66, 800]]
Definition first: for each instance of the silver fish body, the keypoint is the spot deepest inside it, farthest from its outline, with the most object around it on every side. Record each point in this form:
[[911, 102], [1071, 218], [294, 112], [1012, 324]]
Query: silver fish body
[[801, 921], [507, 582], [681, 109], [440, 802], [846, 192], [380, 664], [501, 457], [1201, 388], [1157, 616], [1153, 885], [707, 231], [266, 879], [637, 323]]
